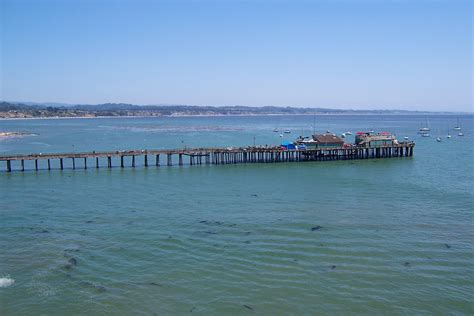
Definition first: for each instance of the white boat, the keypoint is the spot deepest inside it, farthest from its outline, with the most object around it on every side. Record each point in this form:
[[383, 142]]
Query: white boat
[[438, 139], [281, 135], [425, 135], [405, 138], [348, 133], [457, 127], [371, 131], [275, 130], [287, 131], [461, 134], [343, 135], [426, 128], [448, 136]]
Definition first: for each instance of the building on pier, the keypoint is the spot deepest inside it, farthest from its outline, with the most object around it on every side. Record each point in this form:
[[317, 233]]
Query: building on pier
[[321, 141], [370, 140]]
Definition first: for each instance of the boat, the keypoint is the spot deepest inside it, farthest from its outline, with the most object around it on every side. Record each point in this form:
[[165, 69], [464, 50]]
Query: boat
[[457, 127], [275, 130], [405, 138], [425, 134], [287, 131], [425, 128], [281, 135], [343, 135], [438, 139], [448, 136], [461, 134], [371, 131], [348, 133]]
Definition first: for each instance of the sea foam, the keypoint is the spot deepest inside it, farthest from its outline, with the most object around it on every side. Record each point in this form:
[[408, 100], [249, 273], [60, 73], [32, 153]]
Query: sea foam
[[6, 282]]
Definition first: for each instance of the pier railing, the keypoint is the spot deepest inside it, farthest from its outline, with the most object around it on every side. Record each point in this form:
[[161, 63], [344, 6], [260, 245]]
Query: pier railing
[[198, 156]]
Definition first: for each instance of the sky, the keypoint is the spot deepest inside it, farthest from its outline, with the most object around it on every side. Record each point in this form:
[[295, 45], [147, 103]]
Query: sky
[[412, 55]]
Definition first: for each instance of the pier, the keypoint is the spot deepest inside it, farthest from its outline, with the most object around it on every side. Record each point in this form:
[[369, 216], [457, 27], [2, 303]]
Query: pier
[[200, 156]]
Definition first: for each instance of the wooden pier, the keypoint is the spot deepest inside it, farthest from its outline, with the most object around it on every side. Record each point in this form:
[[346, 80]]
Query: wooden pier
[[199, 156]]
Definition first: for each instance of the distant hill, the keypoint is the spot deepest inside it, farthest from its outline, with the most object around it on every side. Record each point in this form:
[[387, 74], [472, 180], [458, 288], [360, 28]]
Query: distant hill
[[32, 110]]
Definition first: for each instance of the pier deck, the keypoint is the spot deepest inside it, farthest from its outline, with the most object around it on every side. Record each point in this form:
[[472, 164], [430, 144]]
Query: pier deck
[[215, 156]]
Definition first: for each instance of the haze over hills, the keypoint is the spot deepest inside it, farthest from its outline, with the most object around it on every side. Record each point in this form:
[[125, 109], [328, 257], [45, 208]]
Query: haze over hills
[[44, 110]]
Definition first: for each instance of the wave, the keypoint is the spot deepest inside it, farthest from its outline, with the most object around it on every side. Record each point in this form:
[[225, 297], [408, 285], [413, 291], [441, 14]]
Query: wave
[[6, 282]]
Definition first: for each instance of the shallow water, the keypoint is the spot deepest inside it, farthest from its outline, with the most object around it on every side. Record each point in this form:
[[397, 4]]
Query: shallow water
[[395, 235]]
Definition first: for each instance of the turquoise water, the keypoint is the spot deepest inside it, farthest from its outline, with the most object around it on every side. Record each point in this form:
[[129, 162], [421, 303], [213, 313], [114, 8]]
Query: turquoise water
[[395, 237]]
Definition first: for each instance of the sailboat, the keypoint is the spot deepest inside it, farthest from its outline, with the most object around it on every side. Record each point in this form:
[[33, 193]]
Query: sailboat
[[426, 128], [449, 134], [275, 130], [457, 127], [460, 134]]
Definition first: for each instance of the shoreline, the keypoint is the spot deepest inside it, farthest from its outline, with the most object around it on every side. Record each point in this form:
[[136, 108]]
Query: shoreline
[[228, 115]]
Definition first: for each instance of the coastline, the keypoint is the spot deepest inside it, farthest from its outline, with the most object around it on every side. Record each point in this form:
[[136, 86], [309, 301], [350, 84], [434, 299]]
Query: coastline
[[232, 115]]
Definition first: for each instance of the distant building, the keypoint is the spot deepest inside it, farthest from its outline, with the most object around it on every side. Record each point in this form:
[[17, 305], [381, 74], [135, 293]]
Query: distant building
[[321, 141], [367, 139]]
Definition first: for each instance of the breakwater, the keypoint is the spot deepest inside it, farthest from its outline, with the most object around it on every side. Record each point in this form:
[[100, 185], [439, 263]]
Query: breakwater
[[199, 156]]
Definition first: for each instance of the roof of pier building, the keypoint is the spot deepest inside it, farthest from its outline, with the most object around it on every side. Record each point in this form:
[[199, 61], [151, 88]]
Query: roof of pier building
[[327, 139]]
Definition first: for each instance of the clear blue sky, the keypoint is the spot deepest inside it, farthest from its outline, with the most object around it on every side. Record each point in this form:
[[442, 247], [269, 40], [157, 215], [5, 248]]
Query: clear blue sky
[[338, 54]]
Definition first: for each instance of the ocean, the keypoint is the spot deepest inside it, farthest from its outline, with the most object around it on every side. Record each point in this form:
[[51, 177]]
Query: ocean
[[387, 236]]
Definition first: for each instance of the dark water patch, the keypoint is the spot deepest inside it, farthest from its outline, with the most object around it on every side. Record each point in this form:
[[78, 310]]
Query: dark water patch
[[407, 264], [210, 222], [316, 228], [72, 250], [97, 287], [155, 284], [248, 307], [71, 263], [447, 246]]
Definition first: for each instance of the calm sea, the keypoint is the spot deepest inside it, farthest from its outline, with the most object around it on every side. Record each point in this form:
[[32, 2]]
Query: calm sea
[[396, 235]]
